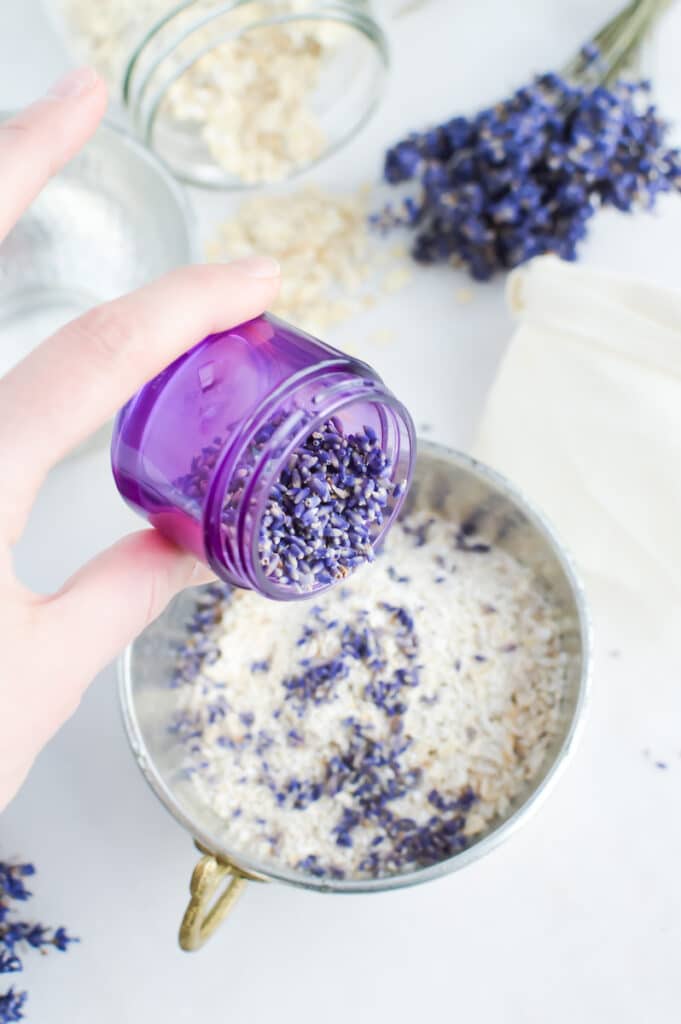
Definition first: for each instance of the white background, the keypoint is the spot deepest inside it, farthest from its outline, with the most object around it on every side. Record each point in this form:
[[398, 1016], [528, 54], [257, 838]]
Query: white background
[[579, 916]]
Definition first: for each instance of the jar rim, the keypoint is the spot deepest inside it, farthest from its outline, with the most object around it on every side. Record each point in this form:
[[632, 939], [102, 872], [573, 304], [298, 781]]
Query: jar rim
[[368, 390]]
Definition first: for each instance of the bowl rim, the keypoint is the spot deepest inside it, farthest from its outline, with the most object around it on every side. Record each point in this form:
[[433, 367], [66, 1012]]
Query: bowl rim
[[109, 128], [490, 840]]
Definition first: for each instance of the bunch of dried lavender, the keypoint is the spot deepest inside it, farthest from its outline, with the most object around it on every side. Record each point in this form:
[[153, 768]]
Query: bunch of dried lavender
[[525, 176]]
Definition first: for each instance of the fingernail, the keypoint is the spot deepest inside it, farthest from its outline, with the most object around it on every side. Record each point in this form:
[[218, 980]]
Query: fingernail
[[75, 83], [258, 266]]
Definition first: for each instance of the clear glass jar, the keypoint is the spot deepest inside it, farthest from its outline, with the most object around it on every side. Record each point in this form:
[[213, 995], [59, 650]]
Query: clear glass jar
[[238, 93], [199, 450]]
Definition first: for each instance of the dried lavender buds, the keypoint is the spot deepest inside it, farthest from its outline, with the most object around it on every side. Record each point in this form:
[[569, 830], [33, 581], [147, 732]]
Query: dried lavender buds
[[17, 935], [324, 512], [326, 508], [383, 727], [524, 177]]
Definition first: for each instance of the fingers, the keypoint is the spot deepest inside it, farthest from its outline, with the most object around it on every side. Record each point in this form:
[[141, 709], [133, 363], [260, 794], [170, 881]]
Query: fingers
[[112, 599], [53, 647], [79, 377], [36, 143]]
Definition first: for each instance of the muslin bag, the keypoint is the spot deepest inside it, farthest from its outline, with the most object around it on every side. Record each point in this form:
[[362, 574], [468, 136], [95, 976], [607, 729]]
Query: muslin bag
[[585, 416]]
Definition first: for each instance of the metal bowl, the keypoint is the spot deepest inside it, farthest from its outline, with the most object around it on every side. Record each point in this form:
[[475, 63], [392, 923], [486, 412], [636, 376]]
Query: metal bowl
[[454, 486], [112, 220]]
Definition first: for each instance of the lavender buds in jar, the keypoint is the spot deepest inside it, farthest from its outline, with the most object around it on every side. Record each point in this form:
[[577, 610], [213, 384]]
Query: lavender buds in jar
[[275, 459], [322, 512]]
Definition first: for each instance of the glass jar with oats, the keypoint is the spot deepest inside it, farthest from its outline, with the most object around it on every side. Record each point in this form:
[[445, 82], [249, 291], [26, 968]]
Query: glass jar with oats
[[239, 93]]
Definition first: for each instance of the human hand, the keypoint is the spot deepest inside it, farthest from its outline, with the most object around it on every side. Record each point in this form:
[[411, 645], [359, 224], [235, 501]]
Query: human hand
[[51, 647]]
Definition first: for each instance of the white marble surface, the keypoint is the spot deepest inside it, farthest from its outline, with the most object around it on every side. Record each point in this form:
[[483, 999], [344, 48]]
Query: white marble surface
[[579, 916]]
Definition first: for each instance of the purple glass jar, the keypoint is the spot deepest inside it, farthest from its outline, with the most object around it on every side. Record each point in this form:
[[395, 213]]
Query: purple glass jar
[[198, 450]]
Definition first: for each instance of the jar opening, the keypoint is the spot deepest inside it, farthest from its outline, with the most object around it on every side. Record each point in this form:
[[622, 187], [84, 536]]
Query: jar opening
[[335, 527]]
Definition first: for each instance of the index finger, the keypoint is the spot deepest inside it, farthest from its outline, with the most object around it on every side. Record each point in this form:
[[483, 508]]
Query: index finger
[[37, 142], [76, 380]]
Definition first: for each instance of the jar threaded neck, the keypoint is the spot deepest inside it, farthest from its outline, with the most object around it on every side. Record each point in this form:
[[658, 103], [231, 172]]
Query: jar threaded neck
[[250, 470]]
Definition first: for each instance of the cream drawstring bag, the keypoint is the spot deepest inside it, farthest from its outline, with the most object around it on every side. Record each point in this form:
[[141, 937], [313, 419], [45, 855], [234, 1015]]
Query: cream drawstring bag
[[585, 416]]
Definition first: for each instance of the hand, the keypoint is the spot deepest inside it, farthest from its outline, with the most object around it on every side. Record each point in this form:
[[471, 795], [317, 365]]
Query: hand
[[51, 647]]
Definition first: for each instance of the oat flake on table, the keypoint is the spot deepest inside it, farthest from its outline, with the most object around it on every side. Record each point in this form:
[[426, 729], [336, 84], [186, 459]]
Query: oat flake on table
[[333, 266]]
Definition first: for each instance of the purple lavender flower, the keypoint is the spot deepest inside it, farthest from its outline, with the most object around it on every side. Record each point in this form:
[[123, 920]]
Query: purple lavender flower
[[15, 933], [11, 1005], [525, 176]]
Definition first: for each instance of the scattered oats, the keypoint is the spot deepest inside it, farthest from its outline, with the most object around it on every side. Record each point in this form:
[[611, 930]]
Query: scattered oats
[[250, 99], [327, 253], [107, 32], [463, 296], [396, 279]]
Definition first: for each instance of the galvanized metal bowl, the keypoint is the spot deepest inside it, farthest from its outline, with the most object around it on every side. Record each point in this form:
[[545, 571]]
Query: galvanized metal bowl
[[111, 220], [456, 487]]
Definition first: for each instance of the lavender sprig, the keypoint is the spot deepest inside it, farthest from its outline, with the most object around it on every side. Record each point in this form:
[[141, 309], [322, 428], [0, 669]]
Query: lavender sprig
[[524, 177], [16, 934], [11, 1005], [615, 50]]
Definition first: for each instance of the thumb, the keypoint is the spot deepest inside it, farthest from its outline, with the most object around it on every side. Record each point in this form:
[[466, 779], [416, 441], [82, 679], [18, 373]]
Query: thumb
[[115, 596]]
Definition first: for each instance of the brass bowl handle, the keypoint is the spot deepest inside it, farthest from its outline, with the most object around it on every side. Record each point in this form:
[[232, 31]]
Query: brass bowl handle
[[205, 913]]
